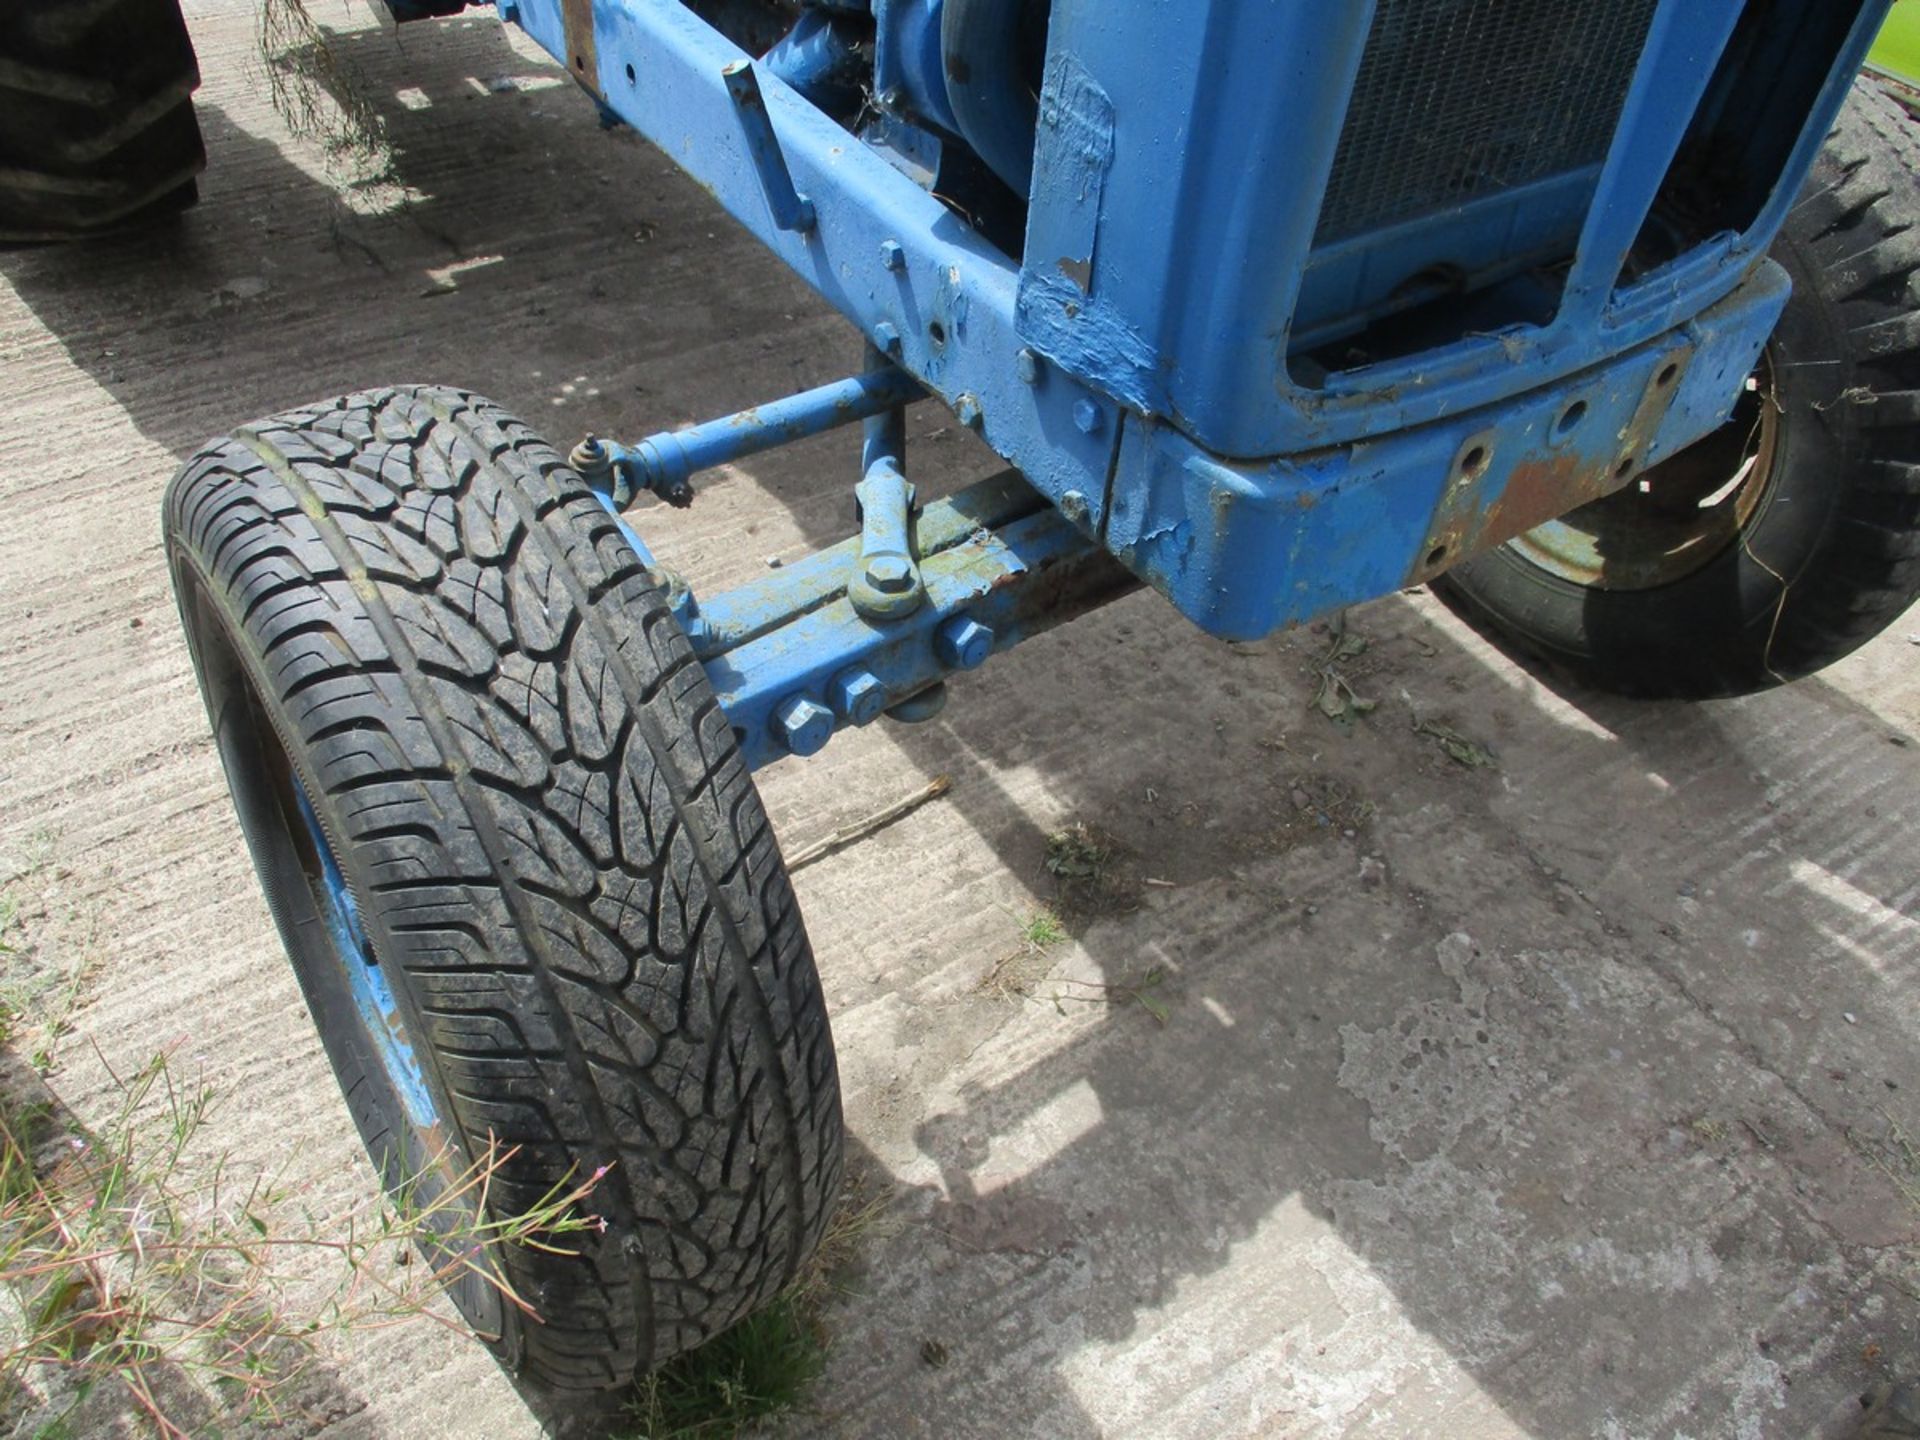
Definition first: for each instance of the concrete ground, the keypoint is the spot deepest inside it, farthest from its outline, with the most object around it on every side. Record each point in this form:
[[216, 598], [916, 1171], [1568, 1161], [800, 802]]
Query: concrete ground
[[1393, 1096]]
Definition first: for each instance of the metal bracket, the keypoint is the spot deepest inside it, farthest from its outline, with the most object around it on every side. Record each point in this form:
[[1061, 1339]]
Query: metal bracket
[[886, 582], [999, 566], [791, 210], [582, 56], [1574, 459]]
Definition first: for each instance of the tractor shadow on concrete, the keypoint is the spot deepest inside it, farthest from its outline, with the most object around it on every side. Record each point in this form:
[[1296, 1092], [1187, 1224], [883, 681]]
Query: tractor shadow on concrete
[[1518, 1095]]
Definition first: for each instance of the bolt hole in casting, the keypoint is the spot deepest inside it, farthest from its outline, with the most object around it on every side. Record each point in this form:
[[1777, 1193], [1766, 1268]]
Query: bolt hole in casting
[[1679, 513]]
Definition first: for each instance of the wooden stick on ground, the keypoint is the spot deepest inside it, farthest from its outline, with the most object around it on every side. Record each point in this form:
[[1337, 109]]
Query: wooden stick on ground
[[860, 829]]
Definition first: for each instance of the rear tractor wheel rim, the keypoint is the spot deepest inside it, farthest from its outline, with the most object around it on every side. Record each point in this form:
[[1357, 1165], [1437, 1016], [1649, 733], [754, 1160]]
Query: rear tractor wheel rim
[[1674, 517]]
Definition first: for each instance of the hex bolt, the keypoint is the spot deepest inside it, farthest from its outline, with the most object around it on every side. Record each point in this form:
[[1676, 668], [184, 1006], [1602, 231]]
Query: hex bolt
[[893, 255], [803, 725], [968, 412], [1073, 505], [886, 338], [858, 695], [698, 630], [1086, 415], [890, 574], [963, 643], [1026, 365]]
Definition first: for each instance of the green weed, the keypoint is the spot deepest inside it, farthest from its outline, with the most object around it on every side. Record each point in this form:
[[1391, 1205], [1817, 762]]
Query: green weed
[[140, 1272], [765, 1365], [134, 1270], [1043, 928]]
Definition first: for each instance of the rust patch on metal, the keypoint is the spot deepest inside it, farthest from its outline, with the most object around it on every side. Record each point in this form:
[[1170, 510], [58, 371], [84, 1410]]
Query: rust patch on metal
[[1541, 486], [1655, 401], [583, 58], [1540, 490], [1455, 516]]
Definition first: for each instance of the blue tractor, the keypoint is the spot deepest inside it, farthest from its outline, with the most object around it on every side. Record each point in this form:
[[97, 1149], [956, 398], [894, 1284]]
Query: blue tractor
[[1597, 314]]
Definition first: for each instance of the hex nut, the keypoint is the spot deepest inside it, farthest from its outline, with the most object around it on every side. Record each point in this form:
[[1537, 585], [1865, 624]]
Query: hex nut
[[858, 695], [963, 643], [803, 725], [890, 574]]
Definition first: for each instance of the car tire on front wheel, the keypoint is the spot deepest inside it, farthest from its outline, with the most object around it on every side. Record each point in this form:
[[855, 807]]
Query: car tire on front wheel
[[517, 861]]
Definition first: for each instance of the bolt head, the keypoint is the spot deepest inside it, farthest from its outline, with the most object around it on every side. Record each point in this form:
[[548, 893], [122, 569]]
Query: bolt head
[[804, 726], [890, 574], [963, 643], [967, 410], [1026, 365], [698, 631], [893, 255], [1073, 505], [886, 338], [858, 695], [1086, 415]]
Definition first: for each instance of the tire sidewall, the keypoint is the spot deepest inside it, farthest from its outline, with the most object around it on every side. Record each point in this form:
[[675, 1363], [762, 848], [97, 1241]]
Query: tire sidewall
[[243, 717]]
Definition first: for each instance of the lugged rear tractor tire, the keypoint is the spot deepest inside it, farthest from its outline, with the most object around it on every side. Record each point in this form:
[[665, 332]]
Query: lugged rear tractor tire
[[97, 131], [1820, 548], [531, 831]]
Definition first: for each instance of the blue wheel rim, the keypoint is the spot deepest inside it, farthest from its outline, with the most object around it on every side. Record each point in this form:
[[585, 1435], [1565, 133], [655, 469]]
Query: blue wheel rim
[[372, 997]]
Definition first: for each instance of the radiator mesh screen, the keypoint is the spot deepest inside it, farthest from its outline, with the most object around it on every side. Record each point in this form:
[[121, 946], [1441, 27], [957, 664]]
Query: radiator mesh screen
[[1462, 98]]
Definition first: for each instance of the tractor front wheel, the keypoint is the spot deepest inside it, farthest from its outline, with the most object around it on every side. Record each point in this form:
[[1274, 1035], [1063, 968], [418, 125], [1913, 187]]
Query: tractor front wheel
[[519, 866]]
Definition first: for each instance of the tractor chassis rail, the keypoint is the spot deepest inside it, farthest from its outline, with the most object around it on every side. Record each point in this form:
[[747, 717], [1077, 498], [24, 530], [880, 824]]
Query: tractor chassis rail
[[793, 660]]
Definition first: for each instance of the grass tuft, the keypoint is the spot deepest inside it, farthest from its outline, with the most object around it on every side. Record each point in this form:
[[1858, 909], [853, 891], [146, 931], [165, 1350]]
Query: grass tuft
[[1043, 928], [755, 1370], [146, 1283], [766, 1364]]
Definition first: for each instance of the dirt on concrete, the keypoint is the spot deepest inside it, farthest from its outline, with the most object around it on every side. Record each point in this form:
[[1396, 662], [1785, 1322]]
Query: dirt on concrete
[[1550, 1096]]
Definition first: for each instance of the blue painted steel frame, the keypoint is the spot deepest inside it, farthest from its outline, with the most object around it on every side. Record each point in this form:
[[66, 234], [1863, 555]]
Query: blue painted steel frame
[[999, 566], [1188, 317], [1185, 181]]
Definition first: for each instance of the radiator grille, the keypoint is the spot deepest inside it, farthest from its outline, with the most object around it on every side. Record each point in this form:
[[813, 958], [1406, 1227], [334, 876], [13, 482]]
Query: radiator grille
[[1462, 98]]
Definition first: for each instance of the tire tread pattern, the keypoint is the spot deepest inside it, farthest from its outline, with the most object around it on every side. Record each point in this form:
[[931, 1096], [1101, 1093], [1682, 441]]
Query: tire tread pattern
[[544, 813], [97, 130]]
